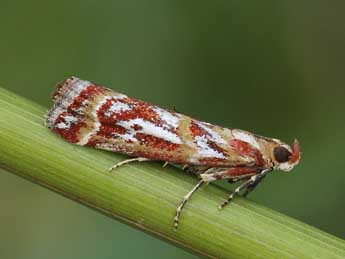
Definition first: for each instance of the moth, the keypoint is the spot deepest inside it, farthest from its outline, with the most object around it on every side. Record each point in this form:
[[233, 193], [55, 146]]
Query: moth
[[88, 114]]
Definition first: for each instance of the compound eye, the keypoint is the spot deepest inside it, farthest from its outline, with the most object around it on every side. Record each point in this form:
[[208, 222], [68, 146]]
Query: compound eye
[[281, 154]]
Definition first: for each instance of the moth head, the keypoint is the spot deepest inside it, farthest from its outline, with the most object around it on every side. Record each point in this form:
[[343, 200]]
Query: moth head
[[286, 158]]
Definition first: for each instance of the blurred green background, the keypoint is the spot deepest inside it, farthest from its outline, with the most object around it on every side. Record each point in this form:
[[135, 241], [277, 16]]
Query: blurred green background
[[276, 68]]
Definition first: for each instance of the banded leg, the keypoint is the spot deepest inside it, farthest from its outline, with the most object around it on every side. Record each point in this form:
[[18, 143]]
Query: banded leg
[[237, 190], [184, 201], [252, 186], [251, 183], [136, 159], [165, 164], [238, 179]]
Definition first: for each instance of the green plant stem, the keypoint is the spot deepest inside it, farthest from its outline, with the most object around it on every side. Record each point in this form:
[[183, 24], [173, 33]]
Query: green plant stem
[[145, 195]]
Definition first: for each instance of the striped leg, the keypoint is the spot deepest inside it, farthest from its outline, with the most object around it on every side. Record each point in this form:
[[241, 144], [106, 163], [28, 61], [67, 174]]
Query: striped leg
[[136, 159], [250, 184], [184, 201], [238, 189], [165, 164], [238, 179]]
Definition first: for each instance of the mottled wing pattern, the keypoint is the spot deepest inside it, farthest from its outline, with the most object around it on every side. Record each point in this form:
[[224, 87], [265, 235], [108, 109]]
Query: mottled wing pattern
[[91, 115]]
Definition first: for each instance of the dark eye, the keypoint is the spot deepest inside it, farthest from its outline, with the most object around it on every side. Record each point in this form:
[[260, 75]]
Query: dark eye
[[281, 154]]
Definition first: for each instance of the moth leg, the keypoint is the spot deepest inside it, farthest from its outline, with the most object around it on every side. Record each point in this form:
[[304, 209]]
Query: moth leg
[[184, 201], [238, 179], [251, 180], [232, 174], [252, 186], [165, 164], [136, 159], [251, 183]]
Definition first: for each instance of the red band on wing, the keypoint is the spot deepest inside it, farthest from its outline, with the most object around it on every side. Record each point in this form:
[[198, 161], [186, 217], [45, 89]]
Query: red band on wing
[[69, 129], [245, 149]]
